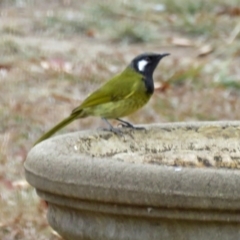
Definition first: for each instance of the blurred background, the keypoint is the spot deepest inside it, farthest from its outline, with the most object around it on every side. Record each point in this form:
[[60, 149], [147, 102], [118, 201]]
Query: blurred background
[[54, 53]]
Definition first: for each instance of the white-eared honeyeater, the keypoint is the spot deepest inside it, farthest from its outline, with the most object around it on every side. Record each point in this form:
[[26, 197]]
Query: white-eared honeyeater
[[118, 97]]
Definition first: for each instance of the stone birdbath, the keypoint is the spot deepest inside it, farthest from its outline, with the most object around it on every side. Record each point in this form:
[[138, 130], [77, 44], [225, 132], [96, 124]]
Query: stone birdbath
[[178, 181]]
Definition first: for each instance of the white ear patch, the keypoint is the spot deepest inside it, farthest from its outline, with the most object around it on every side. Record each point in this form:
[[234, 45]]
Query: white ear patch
[[142, 64]]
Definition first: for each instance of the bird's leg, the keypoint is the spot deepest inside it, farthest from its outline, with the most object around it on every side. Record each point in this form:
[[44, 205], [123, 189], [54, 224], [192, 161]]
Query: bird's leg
[[111, 128], [125, 123], [128, 125]]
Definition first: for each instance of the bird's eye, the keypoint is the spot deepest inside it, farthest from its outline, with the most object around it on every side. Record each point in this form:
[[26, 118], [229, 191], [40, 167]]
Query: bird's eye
[[148, 59]]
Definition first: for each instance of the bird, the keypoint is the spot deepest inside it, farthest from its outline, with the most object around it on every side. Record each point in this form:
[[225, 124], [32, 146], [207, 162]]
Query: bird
[[120, 96]]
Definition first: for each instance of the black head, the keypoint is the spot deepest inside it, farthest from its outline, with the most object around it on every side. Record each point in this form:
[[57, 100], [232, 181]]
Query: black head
[[146, 63]]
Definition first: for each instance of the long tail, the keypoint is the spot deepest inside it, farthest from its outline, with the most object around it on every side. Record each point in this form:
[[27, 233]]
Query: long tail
[[59, 126]]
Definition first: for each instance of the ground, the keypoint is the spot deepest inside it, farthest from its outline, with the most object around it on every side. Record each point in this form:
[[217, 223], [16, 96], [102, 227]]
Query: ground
[[54, 53]]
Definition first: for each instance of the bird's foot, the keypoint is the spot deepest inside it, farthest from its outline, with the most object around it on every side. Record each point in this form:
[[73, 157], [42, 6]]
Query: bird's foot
[[126, 124], [117, 131]]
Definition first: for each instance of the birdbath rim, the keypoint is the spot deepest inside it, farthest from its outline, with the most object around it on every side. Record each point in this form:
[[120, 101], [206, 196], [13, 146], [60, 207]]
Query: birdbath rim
[[60, 166]]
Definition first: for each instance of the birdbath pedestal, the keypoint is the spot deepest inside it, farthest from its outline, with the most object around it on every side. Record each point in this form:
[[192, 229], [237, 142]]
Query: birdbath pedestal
[[170, 181]]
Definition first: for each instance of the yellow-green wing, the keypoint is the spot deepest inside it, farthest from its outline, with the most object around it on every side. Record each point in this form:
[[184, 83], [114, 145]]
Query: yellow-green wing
[[121, 86]]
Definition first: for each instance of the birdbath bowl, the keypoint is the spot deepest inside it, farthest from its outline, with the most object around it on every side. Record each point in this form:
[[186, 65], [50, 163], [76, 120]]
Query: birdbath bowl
[[170, 181]]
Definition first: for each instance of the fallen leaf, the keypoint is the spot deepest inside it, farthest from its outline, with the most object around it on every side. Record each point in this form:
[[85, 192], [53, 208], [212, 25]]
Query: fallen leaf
[[161, 87], [57, 64], [231, 11], [182, 42], [21, 184], [55, 234], [205, 50], [90, 33], [4, 69], [60, 97]]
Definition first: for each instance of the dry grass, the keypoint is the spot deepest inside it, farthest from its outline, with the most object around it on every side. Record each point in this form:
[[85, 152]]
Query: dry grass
[[54, 53]]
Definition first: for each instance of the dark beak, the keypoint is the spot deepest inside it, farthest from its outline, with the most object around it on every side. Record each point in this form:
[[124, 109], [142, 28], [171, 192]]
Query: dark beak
[[163, 55]]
